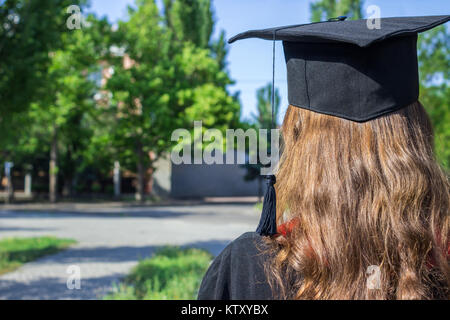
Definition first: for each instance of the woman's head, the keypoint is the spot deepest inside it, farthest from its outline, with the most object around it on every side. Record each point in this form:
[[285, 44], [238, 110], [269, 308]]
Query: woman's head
[[364, 194]]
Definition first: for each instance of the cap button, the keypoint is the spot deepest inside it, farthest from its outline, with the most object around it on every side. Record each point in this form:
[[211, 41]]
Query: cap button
[[340, 18]]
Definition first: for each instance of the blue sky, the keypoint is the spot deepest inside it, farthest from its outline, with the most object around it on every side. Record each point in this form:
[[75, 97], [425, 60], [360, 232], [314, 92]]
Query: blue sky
[[250, 61]]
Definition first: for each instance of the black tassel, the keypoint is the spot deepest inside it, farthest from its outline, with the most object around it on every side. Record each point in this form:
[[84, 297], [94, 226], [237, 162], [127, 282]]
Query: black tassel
[[268, 223]]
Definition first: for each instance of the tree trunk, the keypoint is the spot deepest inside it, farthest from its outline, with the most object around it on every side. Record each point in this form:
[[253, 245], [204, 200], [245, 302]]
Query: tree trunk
[[149, 181], [149, 176], [140, 191], [53, 174]]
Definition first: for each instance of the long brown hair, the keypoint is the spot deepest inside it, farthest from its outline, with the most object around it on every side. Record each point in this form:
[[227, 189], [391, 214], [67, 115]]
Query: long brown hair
[[364, 194]]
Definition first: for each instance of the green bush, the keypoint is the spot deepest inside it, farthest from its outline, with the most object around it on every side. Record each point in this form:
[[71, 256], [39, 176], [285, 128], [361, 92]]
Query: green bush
[[171, 274]]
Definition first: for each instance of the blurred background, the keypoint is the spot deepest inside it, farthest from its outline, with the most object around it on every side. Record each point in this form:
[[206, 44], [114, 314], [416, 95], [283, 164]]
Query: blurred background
[[90, 93]]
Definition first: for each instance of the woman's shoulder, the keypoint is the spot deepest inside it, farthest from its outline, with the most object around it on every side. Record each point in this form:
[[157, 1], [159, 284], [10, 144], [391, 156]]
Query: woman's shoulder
[[247, 248], [238, 271], [248, 240]]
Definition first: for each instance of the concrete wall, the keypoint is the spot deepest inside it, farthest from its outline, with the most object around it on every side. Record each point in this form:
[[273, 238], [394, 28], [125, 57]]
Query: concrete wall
[[217, 180]]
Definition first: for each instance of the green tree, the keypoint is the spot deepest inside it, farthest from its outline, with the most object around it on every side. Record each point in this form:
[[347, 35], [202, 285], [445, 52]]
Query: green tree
[[326, 9], [140, 99], [31, 45], [58, 119], [190, 20], [193, 21], [263, 118], [29, 30], [170, 79], [434, 67]]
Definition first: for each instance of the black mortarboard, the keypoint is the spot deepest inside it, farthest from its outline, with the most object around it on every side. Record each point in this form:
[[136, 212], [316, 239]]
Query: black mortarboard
[[348, 69]]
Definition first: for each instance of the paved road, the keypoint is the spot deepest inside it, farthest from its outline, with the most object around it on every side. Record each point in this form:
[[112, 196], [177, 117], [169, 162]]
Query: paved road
[[111, 241]]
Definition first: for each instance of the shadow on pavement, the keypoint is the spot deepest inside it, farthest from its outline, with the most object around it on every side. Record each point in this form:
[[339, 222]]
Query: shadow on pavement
[[144, 214], [54, 288], [9, 229]]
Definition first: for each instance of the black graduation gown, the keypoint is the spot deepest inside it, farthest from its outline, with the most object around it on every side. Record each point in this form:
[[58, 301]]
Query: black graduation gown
[[237, 273]]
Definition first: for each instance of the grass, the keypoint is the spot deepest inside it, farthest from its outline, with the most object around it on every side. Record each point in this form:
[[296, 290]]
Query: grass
[[16, 251], [171, 274]]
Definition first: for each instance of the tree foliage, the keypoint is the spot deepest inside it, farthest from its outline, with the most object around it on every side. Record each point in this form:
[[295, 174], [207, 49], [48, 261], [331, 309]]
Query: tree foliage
[[434, 64], [263, 118], [173, 77], [29, 31], [327, 9], [172, 72], [190, 20], [58, 115], [61, 119]]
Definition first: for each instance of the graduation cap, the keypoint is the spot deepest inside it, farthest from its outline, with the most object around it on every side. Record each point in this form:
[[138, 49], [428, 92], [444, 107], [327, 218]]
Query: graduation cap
[[347, 69]]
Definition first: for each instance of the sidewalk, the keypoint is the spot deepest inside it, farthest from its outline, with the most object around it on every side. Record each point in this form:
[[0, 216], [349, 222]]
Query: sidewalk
[[111, 239], [93, 206]]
